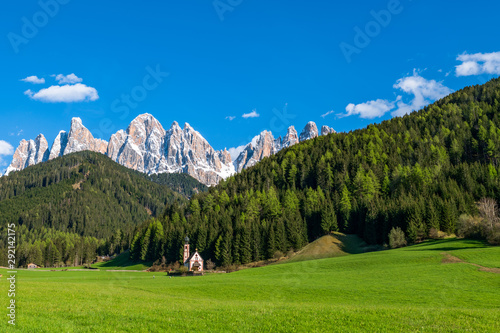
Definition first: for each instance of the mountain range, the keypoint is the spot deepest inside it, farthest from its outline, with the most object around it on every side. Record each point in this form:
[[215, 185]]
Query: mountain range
[[147, 147]]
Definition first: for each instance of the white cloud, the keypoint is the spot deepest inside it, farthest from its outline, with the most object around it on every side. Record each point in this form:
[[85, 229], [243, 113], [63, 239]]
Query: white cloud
[[5, 150], [34, 79], [231, 118], [64, 94], [370, 109], [424, 92], [326, 114], [71, 78], [235, 152], [252, 114], [478, 63]]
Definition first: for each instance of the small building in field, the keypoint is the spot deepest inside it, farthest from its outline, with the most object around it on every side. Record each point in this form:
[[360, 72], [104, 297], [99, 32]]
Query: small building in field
[[32, 266], [102, 258], [193, 262]]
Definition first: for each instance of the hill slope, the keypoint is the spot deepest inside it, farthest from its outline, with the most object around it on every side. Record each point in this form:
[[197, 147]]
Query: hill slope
[[329, 246]]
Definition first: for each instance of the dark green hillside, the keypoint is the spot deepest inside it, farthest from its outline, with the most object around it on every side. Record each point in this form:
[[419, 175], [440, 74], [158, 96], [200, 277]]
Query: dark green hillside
[[417, 172], [85, 193], [82, 195], [179, 182]]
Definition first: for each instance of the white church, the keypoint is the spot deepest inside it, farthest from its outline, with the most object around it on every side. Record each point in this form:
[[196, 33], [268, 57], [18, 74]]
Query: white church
[[193, 262]]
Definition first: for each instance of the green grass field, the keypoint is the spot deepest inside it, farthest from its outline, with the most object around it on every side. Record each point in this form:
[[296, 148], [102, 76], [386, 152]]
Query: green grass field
[[403, 290]]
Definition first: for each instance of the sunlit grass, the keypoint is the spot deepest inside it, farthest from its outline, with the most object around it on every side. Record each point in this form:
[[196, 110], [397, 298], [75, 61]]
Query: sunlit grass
[[404, 290]]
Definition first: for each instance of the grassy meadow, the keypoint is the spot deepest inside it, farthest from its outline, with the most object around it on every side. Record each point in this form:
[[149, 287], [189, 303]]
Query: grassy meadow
[[404, 290]]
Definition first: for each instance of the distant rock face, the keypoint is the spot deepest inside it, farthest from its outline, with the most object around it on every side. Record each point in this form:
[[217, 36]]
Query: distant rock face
[[225, 157], [263, 145], [33, 152], [29, 153], [187, 151], [41, 148], [325, 130], [115, 143], [309, 132], [290, 138], [147, 147], [59, 145], [140, 147], [20, 158], [80, 139]]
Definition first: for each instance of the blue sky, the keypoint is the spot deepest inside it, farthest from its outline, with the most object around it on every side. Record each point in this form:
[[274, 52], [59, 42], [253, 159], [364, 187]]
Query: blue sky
[[209, 63]]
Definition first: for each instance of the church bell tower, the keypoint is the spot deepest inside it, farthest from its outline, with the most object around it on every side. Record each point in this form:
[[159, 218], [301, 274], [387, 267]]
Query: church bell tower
[[186, 249]]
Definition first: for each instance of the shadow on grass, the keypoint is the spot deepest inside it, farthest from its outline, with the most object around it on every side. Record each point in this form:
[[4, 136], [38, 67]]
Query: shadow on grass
[[351, 244], [451, 244], [122, 261]]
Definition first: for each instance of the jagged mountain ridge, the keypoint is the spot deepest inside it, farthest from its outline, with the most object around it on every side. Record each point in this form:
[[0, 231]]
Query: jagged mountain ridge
[[147, 147], [264, 144], [29, 153]]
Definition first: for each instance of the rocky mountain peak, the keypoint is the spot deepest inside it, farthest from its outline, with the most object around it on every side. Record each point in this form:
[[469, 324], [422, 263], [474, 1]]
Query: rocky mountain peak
[[290, 138], [174, 129], [325, 130], [262, 145], [140, 146], [59, 145], [41, 149], [21, 156], [29, 153], [310, 131], [80, 139], [147, 147], [76, 122], [145, 128]]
